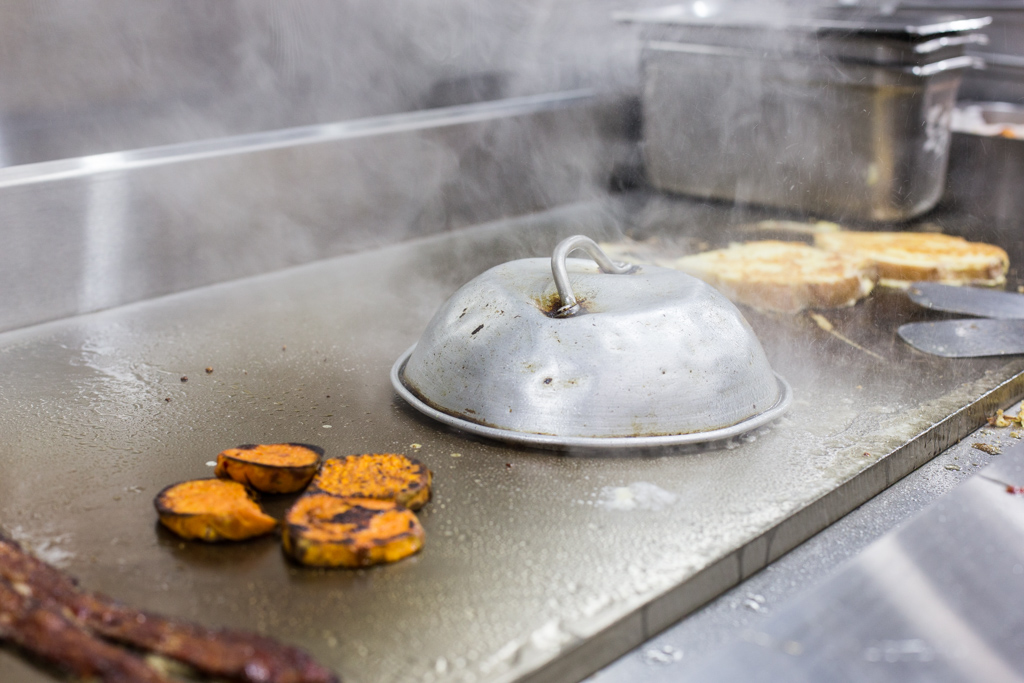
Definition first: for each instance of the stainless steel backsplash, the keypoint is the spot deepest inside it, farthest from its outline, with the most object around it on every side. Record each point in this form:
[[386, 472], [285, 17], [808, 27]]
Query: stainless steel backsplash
[[105, 75], [94, 232], [87, 225]]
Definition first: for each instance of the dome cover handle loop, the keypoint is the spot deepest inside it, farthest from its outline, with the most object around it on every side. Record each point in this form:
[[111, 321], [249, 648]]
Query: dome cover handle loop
[[570, 306]]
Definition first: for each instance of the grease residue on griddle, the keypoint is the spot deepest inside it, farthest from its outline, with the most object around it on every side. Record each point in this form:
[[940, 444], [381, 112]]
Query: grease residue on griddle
[[640, 495]]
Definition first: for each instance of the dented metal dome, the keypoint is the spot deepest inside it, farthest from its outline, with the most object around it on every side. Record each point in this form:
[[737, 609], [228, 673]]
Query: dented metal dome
[[577, 352]]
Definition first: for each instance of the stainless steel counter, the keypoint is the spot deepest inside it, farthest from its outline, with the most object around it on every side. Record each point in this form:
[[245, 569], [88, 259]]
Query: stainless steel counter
[[533, 570], [935, 599], [814, 574]]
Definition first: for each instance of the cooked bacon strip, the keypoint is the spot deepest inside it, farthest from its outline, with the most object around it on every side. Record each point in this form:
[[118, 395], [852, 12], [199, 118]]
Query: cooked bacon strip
[[231, 654], [59, 640], [236, 655]]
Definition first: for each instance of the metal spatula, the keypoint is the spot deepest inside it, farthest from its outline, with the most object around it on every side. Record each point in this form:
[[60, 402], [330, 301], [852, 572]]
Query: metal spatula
[[966, 338], [985, 303]]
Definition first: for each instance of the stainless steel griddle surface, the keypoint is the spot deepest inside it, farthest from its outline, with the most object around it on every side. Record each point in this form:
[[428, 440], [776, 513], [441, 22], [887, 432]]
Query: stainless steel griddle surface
[[537, 565]]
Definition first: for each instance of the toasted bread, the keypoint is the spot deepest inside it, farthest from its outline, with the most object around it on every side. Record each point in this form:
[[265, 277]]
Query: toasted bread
[[905, 257], [782, 276]]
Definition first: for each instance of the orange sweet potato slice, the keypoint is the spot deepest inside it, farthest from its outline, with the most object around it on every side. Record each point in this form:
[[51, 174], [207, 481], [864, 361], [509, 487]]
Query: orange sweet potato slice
[[271, 468], [322, 530], [212, 510], [382, 476]]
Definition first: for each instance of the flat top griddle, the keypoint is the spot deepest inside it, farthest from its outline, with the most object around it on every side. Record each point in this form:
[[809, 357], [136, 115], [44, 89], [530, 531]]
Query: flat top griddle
[[537, 565]]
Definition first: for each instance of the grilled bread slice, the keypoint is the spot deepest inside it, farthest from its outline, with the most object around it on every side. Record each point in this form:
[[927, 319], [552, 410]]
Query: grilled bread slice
[[774, 275], [905, 257]]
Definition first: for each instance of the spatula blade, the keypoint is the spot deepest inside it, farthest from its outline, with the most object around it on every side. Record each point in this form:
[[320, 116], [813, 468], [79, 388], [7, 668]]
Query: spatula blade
[[969, 338], [985, 303]]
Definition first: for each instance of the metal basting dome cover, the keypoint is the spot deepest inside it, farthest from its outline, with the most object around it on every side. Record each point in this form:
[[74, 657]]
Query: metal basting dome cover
[[578, 352]]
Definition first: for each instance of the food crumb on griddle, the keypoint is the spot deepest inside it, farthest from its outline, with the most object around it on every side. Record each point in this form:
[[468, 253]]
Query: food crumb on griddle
[[986, 448], [209, 370], [1001, 420], [184, 378]]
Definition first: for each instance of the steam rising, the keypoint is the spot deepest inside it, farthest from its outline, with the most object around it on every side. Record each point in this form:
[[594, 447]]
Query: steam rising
[[104, 76], [110, 75]]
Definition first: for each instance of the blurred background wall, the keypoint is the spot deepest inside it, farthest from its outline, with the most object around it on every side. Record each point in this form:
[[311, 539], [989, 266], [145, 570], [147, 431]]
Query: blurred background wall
[[102, 75]]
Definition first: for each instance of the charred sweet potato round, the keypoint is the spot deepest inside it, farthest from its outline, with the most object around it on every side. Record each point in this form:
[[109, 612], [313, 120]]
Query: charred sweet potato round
[[322, 530], [382, 476], [212, 510], [271, 468]]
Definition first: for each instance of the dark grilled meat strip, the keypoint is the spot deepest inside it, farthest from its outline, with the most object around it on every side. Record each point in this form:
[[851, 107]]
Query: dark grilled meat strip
[[65, 643], [231, 654], [236, 655]]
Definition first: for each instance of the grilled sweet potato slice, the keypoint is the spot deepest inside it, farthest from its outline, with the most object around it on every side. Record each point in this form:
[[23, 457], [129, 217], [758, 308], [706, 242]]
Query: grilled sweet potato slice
[[212, 510], [322, 530], [382, 476], [271, 468]]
